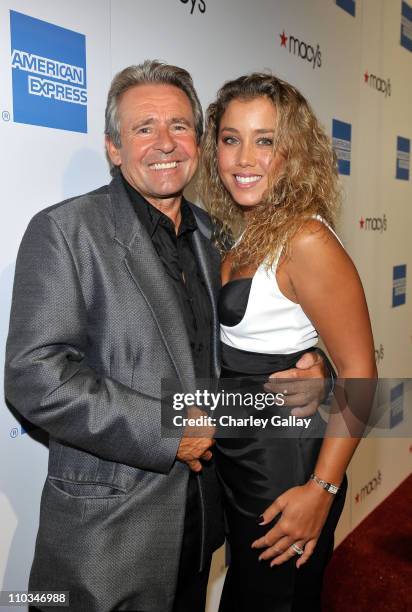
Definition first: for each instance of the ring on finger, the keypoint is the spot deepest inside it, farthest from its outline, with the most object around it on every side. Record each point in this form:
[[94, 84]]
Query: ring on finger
[[298, 550]]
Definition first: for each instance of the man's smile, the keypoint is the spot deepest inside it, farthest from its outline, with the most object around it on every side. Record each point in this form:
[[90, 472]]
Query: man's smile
[[164, 165]]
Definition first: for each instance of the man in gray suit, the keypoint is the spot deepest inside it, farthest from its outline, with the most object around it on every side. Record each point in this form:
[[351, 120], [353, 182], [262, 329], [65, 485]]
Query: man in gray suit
[[115, 291]]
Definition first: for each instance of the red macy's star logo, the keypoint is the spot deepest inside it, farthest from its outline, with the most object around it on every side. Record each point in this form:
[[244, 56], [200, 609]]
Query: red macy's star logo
[[362, 222], [357, 497], [283, 39], [366, 76]]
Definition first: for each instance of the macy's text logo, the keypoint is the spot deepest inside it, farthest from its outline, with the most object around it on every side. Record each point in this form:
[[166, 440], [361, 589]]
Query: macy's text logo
[[382, 85], [302, 49], [373, 224], [367, 489]]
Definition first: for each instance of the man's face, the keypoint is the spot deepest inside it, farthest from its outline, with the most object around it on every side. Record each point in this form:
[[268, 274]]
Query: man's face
[[159, 153]]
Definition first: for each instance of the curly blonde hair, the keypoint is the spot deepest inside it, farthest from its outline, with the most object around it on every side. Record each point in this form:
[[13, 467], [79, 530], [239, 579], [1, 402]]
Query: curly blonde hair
[[307, 184]]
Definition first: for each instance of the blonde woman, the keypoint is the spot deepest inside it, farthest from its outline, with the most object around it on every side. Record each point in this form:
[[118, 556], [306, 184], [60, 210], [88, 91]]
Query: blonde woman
[[269, 179]]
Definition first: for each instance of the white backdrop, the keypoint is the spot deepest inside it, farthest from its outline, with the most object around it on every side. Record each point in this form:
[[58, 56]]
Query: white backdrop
[[353, 62]]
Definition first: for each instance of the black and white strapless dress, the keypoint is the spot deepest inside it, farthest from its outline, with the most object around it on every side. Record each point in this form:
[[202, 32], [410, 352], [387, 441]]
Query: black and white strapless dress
[[262, 332]]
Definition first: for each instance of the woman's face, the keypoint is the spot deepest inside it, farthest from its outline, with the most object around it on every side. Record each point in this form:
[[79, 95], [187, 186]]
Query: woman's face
[[245, 154]]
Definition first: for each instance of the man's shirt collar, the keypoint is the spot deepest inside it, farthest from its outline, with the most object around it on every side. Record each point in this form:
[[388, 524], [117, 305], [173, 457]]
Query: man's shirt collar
[[151, 217]]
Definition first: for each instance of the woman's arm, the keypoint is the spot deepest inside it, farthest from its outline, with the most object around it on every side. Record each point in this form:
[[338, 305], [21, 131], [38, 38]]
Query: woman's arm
[[327, 286]]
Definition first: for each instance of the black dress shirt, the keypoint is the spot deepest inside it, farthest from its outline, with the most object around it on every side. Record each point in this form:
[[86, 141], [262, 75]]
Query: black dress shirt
[[176, 254]]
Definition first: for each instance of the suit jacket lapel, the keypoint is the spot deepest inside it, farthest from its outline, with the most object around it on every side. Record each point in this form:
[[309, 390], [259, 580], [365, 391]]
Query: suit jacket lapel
[[209, 265], [148, 274]]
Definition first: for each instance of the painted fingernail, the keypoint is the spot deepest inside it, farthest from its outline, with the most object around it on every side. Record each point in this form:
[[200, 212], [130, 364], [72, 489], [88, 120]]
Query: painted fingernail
[[260, 519]]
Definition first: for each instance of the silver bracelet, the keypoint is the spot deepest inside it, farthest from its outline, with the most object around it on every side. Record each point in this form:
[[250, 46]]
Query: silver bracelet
[[328, 486]]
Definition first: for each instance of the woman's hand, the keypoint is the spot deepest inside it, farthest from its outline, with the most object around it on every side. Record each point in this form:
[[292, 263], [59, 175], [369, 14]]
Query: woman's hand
[[304, 510]]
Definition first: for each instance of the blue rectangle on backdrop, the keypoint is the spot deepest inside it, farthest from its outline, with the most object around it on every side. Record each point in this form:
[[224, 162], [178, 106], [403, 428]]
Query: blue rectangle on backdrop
[[348, 5], [406, 26], [403, 154], [342, 144], [399, 285], [48, 74], [396, 414]]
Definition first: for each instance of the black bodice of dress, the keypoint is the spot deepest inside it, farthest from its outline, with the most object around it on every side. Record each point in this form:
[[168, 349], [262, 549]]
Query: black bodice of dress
[[233, 300]]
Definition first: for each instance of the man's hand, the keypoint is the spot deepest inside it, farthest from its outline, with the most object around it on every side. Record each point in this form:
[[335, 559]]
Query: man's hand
[[305, 394], [191, 450], [314, 365], [196, 443]]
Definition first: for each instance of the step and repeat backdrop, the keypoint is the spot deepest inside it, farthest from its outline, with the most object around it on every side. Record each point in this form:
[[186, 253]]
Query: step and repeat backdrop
[[351, 58]]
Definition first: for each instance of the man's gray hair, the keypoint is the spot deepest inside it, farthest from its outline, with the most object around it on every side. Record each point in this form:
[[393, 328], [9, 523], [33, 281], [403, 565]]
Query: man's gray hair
[[150, 71]]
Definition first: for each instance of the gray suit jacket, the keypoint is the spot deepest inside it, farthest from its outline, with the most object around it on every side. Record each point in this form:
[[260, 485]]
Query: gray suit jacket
[[95, 326]]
